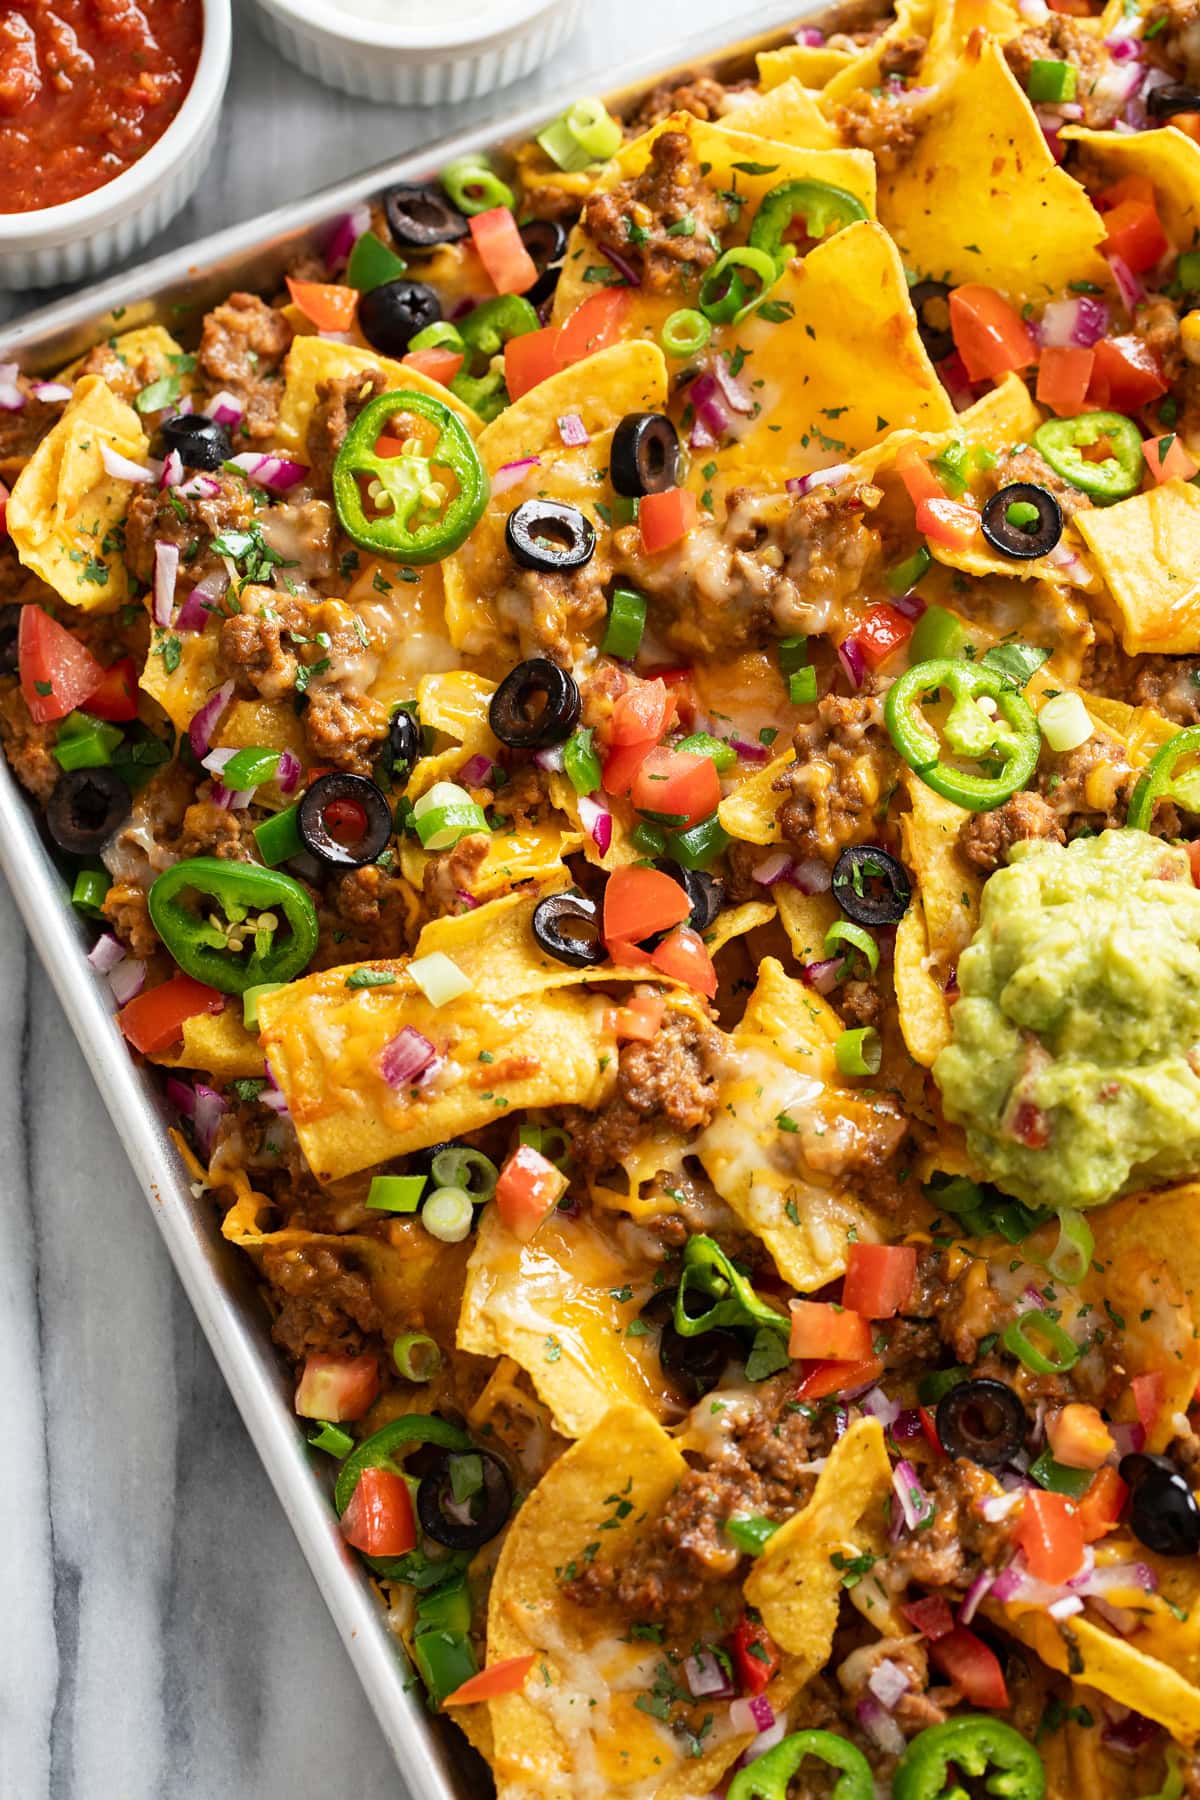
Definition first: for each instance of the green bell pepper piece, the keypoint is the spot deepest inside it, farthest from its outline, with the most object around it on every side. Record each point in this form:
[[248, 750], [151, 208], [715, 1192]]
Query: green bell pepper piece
[[707, 1271], [413, 517], [444, 1661], [233, 925], [85, 743], [1009, 737], [372, 262], [1159, 781], [823, 207], [1063, 441], [767, 1777], [973, 1744]]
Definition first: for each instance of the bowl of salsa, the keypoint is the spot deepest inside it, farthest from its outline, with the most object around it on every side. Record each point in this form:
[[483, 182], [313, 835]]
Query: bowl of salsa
[[108, 111]]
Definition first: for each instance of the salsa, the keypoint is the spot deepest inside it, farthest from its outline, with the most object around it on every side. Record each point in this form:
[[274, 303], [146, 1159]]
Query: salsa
[[86, 87]]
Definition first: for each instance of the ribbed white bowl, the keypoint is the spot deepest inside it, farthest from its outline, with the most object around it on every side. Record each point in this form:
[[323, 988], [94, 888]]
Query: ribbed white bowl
[[80, 239], [421, 65]]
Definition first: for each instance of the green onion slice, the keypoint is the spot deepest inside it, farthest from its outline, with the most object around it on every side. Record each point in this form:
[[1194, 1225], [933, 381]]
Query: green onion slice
[[460, 1166], [845, 931], [416, 1356], [1072, 1255], [685, 333], [859, 1052], [1062, 1353], [473, 185], [448, 1214], [395, 1193]]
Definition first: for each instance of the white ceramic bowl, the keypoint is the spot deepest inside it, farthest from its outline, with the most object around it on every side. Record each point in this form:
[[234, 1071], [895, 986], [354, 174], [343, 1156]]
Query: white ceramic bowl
[[459, 58], [81, 238]]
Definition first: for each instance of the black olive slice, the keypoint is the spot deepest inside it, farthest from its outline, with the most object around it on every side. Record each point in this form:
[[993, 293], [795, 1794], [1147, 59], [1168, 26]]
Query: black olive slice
[[404, 745], [567, 927], [391, 315], [705, 892], [344, 820], [546, 242], [465, 1524], [694, 1364], [536, 705], [420, 218], [86, 807], [549, 535], [200, 441], [931, 303], [1163, 1513], [983, 1420], [1036, 526], [10, 626], [644, 458], [1161, 102], [871, 886]]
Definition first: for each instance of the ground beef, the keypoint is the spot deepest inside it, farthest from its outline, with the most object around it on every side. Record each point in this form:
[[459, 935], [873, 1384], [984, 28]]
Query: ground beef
[[190, 522], [125, 379], [22, 431], [701, 95], [986, 838], [325, 1304], [27, 745], [1027, 464], [887, 123], [843, 768], [339, 403], [671, 1077], [1064, 38], [1171, 34], [903, 57], [522, 801], [242, 346], [1168, 684], [363, 914], [1089, 788], [908, 1346], [450, 874], [860, 1003], [669, 191], [552, 614], [210, 830], [949, 1552]]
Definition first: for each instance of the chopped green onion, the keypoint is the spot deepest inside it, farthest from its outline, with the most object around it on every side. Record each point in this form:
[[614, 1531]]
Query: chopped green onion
[[1072, 1255], [903, 577], [938, 633], [1050, 83], [699, 845], [416, 1356], [85, 743], [626, 623], [845, 931], [250, 768], [703, 743], [278, 838], [1021, 514], [441, 335], [439, 978], [647, 839], [551, 1140], [802, 687], [395, 1193], [580, 761], [1187, 271], [586, 133], [466, 1476], [448, 1215], [750, 1535], [1018, 1343], [332, 1439], [1065, 723], [953, 467], [250, 999], [372, 262], [937, 1382], [473, 185], [724, 295], [687, 331], [793, 654], [859, 1052], [445, 814], [460, 1166], [91, 885], [625, 508], [1060, 1479]]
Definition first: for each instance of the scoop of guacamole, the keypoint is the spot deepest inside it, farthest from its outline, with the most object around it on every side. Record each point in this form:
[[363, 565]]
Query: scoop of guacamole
[[1071, 1059]]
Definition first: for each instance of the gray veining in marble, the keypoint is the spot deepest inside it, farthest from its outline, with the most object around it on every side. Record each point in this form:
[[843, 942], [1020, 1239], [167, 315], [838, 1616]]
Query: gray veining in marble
[[160, 1636]]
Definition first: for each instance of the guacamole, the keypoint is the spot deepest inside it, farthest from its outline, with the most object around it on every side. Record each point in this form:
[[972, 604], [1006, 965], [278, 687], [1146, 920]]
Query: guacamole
[[1076, 1042]]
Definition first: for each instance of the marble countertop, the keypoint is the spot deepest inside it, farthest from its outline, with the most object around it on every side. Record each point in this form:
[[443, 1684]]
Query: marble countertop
[[161, 1635]]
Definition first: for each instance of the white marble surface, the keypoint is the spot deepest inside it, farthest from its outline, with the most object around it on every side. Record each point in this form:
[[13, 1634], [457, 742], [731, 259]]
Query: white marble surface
[[160, 1636]]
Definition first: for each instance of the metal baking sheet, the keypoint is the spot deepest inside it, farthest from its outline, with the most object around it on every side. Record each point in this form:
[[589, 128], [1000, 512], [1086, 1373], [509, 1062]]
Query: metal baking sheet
[[176, 290]]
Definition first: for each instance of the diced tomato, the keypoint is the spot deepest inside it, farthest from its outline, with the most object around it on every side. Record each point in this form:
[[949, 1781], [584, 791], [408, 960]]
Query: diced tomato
[[917, 476], [1051, 1536], [642, 713], [1078, 1436], [821, 1379], [755, 1655], [621, 765], [931, 1616], [640, 1019], [989, 333], [1063, 376], [153, 1020], [116, 696], [1175, 464], [57, 672], [1102, 1505], [948, 522], [1079, 9], [528, 1190], [666, 519], [929, 1427], [1188, 123], [971, 1666], [498, 1679], [880, 633], [1135, 234], [683, 956], [1029, 1125], [1125, 375], [682, 784], [501, 250], [1138, 188], [337, 1387], [595, 323], [530, 359], [1149, 1392], [330, 307], [379, 1517], [439, 364], [830, 1333], [879, 1278], [639, 902], [1193, 851]]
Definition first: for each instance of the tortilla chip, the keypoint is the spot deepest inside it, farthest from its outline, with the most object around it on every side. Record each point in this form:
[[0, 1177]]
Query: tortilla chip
[[781, 1066], [312, 360], [944, 912], [65, 508], [866, 71], [1005, 214], [953, 23], [1147, 551], [811, 64], [405, 617], [788, 113], [152, 345], [530, 853], [806, 918], [1168, 158], [217, 1044], [181, 671], [750, 813]]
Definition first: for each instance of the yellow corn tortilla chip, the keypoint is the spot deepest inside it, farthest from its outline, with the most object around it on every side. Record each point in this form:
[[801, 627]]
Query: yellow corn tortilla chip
[[181, 671], [218, 1044], [781, 1065], [65, 506], [1168, 158], [953, 23], [944, 913], [1005, 213], [151, 345], [787, 113], [749, 813], [806, 918], [527, 853], [1147, 551], [866, 70], [312, 360], [405, 619], [811, 64]]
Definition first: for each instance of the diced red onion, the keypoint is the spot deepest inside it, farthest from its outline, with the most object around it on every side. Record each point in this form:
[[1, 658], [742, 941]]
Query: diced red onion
[[121, 468], [11, 397], [708, 404], [1124, 49], [852, 660], [1119, 1617], [185, 407], [751, 753], [737, 394], [880, 1726], [809, 36], [1103, 1580], [509, 474], [106, 953], [1128, 285], [166, 571], [915, 1505], [573, 431], [1050, 133], [1058, 323], [278, 473], [3, 507], [550, 760], [230, 799], [706, 1678], [50, 393], [1128, 1438], [752, 1713], [907, 1426], [203, 487], [772, 868], [597, 822], [345, 234], [623, 268], [831, 477], [406, 1058], [468, 902], [204, 722], [812, 876], [1116, 84], [1092, 321], [127, 980], [1066, 1608], [911, 606], [226, 409], [841, 1422], [193, 615], [289, 771], [216, 760], [273, 1095], [889, 1683], [821, 976], [1129, 1732], [172, 470], [766, 1740], [209, 1108], [182, 1096], [876, 1404], [981, 1586], [476, 771], [1034, 1296]]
